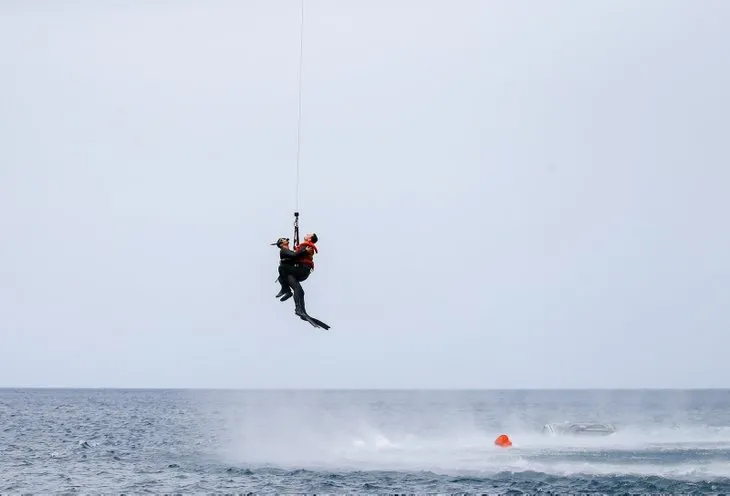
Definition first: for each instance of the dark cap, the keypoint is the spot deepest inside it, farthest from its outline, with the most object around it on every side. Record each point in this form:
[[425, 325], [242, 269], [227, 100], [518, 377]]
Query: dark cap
[[279, 241]]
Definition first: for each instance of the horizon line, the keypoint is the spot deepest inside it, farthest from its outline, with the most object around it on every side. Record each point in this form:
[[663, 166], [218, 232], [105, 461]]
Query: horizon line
[[408, 389]]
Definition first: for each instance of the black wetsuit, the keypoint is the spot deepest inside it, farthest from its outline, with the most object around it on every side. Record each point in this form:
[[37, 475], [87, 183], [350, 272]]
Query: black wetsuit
[[291, 273]]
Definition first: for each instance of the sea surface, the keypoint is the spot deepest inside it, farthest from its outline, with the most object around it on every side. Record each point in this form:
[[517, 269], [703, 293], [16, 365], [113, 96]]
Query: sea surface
[[203, 441]]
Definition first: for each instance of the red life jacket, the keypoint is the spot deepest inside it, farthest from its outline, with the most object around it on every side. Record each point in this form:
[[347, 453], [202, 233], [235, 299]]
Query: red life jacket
[[307, 259]]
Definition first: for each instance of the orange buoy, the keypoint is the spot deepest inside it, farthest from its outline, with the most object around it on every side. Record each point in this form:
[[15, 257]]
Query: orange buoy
[[503, 441]]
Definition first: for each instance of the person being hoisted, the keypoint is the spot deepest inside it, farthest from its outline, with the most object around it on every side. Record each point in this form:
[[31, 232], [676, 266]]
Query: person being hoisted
[[295, 266]]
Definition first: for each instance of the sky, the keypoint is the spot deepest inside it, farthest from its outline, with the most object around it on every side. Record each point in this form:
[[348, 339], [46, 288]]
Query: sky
[[507, 194]]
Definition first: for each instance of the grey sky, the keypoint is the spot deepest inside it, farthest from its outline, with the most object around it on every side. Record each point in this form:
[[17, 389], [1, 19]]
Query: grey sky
[[508, 194]]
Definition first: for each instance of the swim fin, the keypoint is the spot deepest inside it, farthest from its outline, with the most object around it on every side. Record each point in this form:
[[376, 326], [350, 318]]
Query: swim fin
[[315, 322], [318, 322]]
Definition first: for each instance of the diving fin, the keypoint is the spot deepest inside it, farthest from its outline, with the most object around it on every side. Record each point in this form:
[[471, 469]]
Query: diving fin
[[319, 323], [315, 322]]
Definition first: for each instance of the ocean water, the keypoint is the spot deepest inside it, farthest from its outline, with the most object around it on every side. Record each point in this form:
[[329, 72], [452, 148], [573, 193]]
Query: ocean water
[[193, 441]]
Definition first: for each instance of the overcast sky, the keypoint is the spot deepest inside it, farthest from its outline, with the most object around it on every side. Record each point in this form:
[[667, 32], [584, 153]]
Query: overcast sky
[[507, 194]]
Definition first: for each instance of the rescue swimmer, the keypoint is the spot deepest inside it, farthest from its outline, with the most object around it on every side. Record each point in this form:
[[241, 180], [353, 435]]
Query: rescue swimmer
[[295, 266]]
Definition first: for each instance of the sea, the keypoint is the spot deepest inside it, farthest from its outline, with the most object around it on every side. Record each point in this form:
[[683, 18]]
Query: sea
[[362, 441]]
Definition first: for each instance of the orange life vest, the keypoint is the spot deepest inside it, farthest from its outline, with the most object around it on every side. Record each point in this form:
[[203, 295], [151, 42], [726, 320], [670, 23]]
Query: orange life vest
[[307, 258]]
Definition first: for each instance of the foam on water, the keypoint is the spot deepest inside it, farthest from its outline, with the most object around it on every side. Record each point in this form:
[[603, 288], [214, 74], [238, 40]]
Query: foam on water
[[365, 447], [355, 440]]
